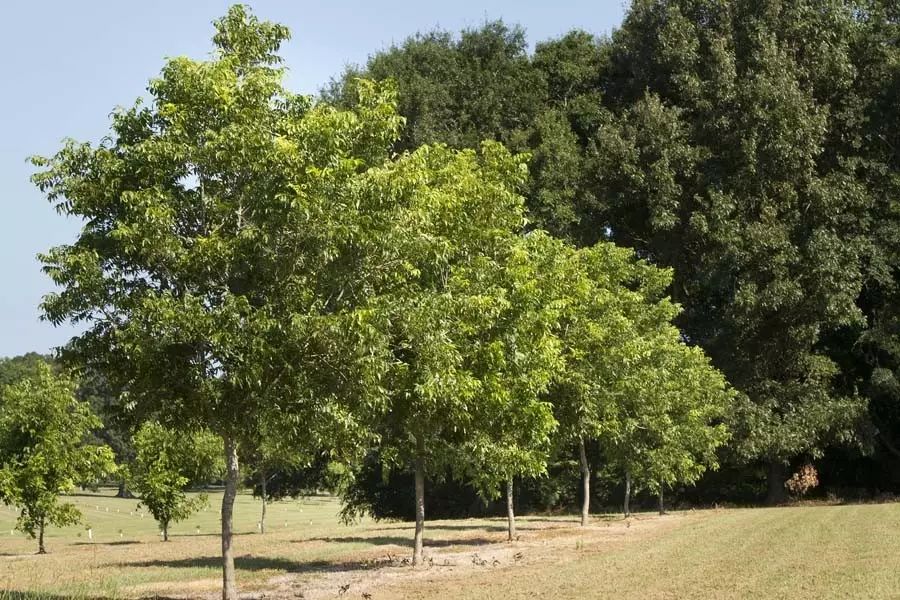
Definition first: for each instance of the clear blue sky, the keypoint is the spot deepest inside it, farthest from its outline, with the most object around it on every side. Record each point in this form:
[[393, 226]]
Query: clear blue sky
[[68, 64]]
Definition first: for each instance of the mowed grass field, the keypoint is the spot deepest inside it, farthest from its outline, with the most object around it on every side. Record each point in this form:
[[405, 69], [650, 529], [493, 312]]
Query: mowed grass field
[[839, 551]]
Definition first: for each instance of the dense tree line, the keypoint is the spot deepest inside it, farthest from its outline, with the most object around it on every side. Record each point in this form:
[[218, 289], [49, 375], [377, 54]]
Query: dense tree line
[[750, 146], [610, 260]]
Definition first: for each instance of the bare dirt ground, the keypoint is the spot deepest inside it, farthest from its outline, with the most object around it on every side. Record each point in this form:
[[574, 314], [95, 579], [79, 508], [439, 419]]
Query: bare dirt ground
[[541, 542]]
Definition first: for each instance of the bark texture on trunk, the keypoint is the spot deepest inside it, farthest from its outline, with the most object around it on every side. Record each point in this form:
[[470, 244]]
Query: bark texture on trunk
[[510, 509], [41, 548], [585, 484], [419, 545], [265, 499], [776, 477], [627, 505], [229, 585]]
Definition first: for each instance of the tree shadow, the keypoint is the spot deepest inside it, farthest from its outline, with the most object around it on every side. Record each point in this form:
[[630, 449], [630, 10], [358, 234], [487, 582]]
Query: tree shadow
[[410, 527], [405, 541], [22, 595], [248, 563], [119, 543], [521, 523]]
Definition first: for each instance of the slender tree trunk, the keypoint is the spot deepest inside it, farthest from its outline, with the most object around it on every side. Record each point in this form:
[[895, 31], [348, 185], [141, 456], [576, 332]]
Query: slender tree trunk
[[229, 585], [41, 548], [165, 528], [418, 546], [662, 506], [627, 505], [585, 484], [265, 499], [510, 509], [776, 478]]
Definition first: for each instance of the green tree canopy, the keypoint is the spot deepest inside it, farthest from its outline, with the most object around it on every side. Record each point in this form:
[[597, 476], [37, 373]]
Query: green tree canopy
[[751, 146], [165, 464], [44, 450]]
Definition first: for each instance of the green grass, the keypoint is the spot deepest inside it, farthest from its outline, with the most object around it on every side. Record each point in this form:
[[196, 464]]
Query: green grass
[[116, 519], [798, 552]]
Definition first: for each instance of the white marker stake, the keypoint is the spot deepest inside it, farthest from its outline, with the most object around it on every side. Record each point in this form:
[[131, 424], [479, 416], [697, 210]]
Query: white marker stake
[[91, 534]]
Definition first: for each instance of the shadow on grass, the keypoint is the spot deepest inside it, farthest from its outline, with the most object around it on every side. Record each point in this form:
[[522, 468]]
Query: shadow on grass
[[521, 523], [119, 543], [17, 595], [405, 541], [410, 526], [246, 563]]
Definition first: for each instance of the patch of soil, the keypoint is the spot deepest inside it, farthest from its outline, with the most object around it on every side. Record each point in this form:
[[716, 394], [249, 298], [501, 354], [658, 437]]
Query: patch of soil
[[363, 574]]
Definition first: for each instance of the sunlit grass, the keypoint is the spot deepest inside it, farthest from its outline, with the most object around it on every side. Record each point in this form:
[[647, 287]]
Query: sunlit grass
[[800, 552]]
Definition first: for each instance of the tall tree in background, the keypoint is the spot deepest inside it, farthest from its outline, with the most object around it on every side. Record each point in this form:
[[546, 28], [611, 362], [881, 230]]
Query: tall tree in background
[[17, 368], [457, 91], [44, 450], [732, 153], [752, 147]]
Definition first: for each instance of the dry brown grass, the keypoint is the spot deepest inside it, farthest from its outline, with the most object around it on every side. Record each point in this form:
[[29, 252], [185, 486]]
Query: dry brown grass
[[800, 552]]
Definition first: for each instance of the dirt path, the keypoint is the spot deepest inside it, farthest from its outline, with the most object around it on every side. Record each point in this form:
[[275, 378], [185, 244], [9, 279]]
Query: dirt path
[[373, 574]]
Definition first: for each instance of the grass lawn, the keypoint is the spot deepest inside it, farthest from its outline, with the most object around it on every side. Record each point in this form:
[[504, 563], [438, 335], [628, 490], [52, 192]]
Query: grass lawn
[[800, 552]]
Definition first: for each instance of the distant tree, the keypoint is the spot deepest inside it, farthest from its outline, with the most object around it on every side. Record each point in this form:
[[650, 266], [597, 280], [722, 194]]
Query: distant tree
[[17, 368], [277, 469], [44, 452], [117, 430], [670, 420], [165, 464], [629, 382], [456, 90]]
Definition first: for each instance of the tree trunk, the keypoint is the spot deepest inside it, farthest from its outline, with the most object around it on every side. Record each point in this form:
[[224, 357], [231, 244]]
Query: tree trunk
[[662, 506], [41, 548], [510, 509], [123, 491], [229, 585], [418, 546], [627, 506], [776, 478], [165, 528], [585, 484], [262, 516]]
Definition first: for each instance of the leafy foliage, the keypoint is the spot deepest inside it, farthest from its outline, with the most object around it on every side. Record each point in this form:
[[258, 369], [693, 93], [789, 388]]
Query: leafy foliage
[[165, 464], [43, 450]]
